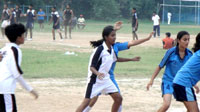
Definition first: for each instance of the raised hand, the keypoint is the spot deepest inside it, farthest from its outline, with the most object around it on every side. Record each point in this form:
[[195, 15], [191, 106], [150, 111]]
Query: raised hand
[[118, 25]]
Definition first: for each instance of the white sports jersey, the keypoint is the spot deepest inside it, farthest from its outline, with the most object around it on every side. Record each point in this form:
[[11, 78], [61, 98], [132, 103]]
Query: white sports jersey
[[10, 68], [169, 14], [102, 60], [32, 11], [156, 19]]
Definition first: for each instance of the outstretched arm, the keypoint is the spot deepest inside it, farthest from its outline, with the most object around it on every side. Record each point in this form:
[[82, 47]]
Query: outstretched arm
[[137, 42], [156, 72], [128, 59]]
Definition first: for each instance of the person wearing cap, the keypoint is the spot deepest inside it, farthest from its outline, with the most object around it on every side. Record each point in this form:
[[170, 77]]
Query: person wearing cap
[[81, 22]]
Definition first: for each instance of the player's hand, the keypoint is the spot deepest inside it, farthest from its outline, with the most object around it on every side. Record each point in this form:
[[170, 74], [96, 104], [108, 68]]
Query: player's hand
[[197, 89], [149, 85], [118, 25], [35, 94], [150, 35], [136, 58], [100, 76]]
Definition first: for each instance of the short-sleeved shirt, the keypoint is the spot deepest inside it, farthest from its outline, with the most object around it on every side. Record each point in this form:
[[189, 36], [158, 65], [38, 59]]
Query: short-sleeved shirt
[[10, 68], [117, 47], [13, 17], [18, 13], [173, 63], [55, 16], [155, 20], [101, 59], [81, 20], [168, 43], [189, 74], [41, 13], [6, 14], [30, 16], [134, 18]]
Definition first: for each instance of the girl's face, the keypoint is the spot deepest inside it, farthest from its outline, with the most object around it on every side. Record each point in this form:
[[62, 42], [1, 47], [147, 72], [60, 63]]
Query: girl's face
[[184, 41], [111, 38]]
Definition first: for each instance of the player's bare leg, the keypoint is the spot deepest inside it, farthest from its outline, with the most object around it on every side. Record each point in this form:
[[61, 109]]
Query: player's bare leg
[[53, 32], [66, 32], [31, 33], [83, 105], [60, 34], [70, 30], [117, 101], [3, 32]]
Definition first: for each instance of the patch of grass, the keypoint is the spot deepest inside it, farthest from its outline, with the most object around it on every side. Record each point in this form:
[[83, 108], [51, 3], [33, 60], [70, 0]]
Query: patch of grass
[[54, 64], [144, 27]]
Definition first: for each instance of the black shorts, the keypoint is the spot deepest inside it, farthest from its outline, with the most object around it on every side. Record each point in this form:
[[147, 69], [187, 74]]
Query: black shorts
[[134, 29], [7, 103], [182, 93], [29, 25], [56, 26], [40, 21]]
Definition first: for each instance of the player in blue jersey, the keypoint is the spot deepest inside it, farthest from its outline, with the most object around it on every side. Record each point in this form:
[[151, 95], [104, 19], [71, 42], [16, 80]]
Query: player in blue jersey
[[174, 59], [187, 78], [119, 47]]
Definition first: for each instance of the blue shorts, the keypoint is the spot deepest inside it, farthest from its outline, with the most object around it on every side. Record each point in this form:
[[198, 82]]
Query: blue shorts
[[167, 88], [182, 93]]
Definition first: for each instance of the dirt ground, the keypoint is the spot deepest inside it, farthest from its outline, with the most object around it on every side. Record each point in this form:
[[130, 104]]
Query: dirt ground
[[64, 95]]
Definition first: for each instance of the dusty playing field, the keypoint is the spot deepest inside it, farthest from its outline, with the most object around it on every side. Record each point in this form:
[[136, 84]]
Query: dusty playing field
[[64, 95]]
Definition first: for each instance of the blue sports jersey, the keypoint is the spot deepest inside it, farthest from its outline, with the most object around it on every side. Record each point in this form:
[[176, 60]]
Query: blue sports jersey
[[173, 63], [189, 74], [117, 47], [41, 13]]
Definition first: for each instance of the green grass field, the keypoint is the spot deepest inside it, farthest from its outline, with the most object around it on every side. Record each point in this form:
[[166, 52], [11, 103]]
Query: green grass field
[[54, 64], [144, 27]]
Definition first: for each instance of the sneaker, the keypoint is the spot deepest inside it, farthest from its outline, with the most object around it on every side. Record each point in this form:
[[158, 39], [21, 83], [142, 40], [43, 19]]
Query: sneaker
[[30, 39]]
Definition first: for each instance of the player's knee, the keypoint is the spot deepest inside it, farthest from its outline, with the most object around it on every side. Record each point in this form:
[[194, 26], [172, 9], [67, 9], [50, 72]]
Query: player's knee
[[118, 99]]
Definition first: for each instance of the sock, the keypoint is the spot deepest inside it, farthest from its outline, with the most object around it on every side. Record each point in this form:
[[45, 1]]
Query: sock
[[120, 108], [87, 109]]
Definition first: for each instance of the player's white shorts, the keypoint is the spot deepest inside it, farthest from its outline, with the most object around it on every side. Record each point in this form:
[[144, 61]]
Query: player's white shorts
[[94, 89], [7, 103], [5, 23]]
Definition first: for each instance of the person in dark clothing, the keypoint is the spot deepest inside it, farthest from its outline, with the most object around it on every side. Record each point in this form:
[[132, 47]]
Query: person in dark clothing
[[67, 16], [18, 13], [134, 24], [56, 23], [31, 15], [13, 16], [5, 18]]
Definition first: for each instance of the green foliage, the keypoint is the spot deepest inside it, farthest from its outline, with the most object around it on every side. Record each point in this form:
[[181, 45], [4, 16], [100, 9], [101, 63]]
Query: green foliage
[[105, 9]]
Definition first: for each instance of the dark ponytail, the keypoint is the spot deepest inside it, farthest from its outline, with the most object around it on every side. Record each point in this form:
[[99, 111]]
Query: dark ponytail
[[197, 44], [106, 32], [180, 35]]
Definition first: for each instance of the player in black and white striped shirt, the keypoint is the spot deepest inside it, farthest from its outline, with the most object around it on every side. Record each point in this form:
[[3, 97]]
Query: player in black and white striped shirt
[[98, 70]]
